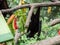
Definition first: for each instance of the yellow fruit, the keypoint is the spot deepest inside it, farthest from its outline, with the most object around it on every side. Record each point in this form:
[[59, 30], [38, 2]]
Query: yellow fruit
[[49, 10], [22, 3]]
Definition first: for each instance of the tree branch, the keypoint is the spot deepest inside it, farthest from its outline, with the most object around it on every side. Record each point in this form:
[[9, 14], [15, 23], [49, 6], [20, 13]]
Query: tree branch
[[15, 8], [57, 3], [29, 16], [51, 41], [54, 22]]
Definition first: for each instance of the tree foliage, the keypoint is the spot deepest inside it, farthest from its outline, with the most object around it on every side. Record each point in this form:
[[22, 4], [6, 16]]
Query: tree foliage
[[46, 17]]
